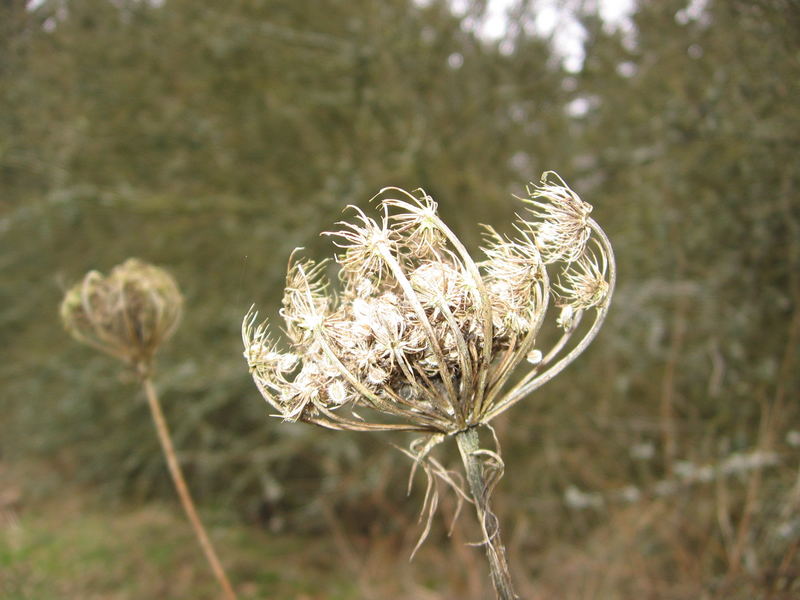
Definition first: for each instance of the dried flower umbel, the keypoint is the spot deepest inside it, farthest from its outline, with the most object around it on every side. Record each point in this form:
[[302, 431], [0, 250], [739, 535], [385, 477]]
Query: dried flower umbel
[[427, 335], [128, 315]]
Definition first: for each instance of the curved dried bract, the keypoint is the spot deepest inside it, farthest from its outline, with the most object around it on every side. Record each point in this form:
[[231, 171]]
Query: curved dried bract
[[127, 314], [422, 332]]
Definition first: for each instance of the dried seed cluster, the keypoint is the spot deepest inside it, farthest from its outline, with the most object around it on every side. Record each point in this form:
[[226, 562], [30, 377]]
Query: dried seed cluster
[[421, 331], [127, 314]]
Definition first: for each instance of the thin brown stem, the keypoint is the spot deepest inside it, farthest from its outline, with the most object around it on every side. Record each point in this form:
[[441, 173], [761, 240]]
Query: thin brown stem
[[183, 490], [495, 551]]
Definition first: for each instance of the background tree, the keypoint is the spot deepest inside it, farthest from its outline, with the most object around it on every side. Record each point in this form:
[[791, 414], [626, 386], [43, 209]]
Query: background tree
[[213, 138]]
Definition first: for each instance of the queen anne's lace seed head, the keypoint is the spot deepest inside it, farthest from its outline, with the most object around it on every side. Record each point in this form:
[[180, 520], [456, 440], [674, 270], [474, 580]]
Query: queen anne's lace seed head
[[562, 227], [421, 332], [127, 314], [514, 269], [583, 283], [416, 222], [437, 283], [305, 300], [364, 243]]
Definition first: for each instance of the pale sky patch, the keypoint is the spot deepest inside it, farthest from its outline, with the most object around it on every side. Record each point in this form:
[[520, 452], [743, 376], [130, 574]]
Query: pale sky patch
[[553, 19]]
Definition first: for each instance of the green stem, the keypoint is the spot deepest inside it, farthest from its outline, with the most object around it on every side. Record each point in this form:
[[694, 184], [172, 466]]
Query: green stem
[[495, 551]]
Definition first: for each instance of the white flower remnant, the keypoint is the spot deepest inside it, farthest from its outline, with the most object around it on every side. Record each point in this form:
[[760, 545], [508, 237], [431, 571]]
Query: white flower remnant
[[423, 333]]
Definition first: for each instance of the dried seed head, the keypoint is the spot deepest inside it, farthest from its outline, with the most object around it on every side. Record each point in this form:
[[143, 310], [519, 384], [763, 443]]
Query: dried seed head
[[563, 226], [515, 273], [364, 244], [583, 283], [263, 358], [127, 314], [421, 332], [438, 283], [416, 221], [305, 300]]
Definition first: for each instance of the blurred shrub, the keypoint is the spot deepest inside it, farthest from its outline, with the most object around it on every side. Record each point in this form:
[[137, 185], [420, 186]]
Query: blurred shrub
[[213, 140]]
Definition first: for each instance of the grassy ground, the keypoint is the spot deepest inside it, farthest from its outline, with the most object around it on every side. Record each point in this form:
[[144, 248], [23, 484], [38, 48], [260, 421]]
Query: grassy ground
[[59, 541], [63, 545]]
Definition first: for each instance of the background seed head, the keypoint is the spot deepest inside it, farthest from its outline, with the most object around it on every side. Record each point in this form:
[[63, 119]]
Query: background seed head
[[127, 314]]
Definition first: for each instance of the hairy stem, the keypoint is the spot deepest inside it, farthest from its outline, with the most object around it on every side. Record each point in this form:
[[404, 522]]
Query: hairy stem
[[183, 490], [495, 551]]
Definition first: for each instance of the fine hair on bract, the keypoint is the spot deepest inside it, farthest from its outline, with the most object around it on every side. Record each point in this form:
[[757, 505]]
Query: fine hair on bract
[[424, 337]]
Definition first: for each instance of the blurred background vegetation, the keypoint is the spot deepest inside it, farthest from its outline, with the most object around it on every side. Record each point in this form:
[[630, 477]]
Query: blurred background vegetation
[[212, 138]]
